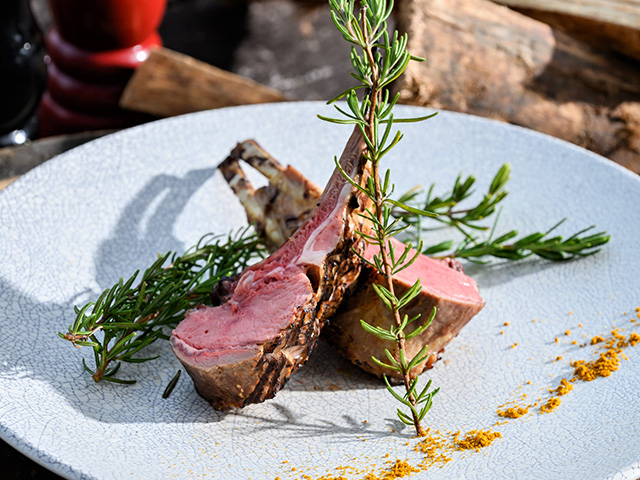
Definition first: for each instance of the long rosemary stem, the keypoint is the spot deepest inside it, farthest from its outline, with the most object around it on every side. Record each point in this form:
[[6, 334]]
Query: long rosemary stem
[[387, 271], [388, 275], [378, 59]]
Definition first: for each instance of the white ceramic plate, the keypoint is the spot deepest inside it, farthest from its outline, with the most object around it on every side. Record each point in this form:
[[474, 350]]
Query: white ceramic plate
[[78, 223]]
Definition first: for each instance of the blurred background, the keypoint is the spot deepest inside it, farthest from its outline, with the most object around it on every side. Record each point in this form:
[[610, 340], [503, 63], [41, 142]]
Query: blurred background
[[73, 70]]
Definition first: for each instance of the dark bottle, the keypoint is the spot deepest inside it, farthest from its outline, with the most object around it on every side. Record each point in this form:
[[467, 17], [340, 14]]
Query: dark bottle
[[22, 72]]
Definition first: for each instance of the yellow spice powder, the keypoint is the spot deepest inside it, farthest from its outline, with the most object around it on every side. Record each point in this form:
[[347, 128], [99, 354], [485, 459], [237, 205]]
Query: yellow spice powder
[[603, 366], [476, 439], [551, 405], [435, 448], [564, 387], [400, 469], [513, 412]]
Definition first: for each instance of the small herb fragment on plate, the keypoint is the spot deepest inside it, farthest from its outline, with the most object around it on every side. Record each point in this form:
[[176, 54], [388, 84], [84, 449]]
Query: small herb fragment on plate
[[171, 385]]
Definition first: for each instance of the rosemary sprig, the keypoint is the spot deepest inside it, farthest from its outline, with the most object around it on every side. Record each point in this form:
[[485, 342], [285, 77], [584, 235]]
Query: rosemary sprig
[[470, 220], [127, 318], [377, 60], [540, 244]]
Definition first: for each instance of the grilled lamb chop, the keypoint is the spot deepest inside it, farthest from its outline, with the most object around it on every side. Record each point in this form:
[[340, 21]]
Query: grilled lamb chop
[[444, 284], [244, 350]]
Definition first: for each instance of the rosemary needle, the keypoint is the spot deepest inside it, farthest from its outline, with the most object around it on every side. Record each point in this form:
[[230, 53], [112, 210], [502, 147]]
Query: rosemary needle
[[171, 385]]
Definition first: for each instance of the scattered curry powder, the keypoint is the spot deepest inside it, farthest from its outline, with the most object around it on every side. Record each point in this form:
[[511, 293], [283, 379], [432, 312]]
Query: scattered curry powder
[[609, 359], [513, 412], [438, 449], [603, 366], [564, 387], [476, 439], [551, 405], [435, 448], [400, 469]]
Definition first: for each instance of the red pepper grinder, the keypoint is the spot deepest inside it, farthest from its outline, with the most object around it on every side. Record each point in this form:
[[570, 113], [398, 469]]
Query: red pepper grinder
[[94, 48]]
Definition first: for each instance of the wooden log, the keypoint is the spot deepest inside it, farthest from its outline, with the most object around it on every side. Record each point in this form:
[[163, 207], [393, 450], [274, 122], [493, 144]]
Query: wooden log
[[169, 83], [488, 60], [609, 24]]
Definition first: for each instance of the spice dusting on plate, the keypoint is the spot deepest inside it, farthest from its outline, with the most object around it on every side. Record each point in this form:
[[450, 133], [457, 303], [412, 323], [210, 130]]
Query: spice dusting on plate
[[437, 449], [609, 359], [551, 405], [477, 439], [610, 351], [401, 468], [564, 387], [514, 412]]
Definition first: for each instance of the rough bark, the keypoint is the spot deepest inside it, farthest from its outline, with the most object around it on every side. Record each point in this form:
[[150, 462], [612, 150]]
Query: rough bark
[[611, 24], [488, 60]]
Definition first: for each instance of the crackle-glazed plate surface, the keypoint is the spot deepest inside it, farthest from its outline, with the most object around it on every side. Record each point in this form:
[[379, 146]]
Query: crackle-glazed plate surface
[[75, 225]]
